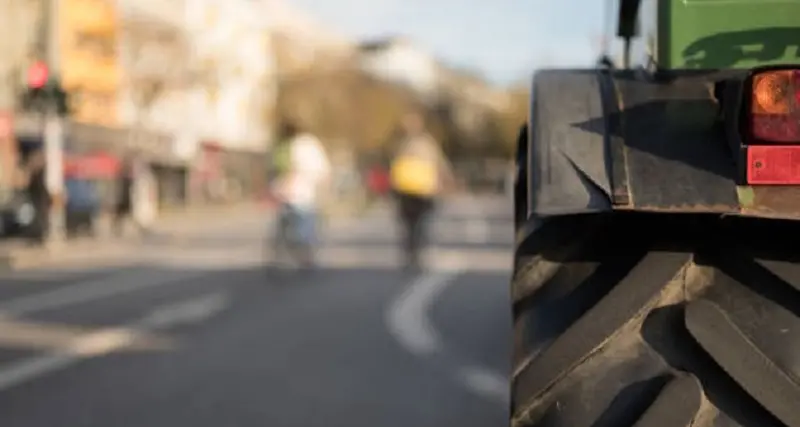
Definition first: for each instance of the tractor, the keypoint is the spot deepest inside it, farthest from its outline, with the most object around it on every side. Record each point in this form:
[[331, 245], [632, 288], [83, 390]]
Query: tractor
[[657, 213]]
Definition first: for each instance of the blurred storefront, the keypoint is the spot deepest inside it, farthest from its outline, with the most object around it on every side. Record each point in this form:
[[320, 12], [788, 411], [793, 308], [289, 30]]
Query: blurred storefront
[[206, 170], [84, 141], [231, 112], [222, 175], [169, 170]]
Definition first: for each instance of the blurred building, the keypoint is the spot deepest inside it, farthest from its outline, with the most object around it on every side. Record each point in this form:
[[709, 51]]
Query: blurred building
[[88, 66], [398, 60], [301, 43], [190, 85], [154, 53], [231, 112], [79, 41], [20, 21]]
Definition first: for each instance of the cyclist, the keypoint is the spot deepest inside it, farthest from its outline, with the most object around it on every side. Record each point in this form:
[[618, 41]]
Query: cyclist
[[418, 175], [303, 169]]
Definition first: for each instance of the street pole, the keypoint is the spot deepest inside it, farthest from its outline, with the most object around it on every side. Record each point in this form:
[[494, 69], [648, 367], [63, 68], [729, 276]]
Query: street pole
[[54, 136]]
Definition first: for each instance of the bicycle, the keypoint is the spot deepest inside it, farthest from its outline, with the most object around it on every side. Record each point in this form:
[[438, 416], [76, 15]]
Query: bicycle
[[293, 239]]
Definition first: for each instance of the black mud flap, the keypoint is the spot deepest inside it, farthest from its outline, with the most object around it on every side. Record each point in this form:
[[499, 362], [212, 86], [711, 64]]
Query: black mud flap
[[568, 165]]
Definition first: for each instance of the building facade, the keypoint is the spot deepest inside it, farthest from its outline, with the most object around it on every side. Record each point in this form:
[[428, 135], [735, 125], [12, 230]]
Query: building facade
[[399, 61], [88, 59], [154, 54], [230, 110]]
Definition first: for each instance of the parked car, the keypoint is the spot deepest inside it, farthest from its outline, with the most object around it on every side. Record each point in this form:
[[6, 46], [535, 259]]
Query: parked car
[[16, 213]]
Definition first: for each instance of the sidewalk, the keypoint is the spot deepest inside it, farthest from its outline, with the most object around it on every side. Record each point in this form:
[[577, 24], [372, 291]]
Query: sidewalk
[[198, 217], [19, 254], [170, 226]]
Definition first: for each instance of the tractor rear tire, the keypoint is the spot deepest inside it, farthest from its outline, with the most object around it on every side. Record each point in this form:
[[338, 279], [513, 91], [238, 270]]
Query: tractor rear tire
[[656, 321]]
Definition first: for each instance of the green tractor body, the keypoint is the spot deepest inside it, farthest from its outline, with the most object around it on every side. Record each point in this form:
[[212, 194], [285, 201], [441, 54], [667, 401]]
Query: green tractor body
[[720, 34], [657, 274]]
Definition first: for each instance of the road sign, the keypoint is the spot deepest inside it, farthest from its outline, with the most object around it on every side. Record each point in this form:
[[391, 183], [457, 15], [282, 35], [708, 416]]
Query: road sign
[[37, 75]]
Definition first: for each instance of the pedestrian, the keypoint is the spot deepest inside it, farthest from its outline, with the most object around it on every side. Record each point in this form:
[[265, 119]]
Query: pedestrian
[[124, 213], [418, 173], [39, 196]]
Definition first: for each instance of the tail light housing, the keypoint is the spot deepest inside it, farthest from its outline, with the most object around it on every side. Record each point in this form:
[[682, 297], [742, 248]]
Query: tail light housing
[[775, 106], [773, 127]]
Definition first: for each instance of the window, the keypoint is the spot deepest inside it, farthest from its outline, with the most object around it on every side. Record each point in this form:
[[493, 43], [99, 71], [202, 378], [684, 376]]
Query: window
[[99, 46]]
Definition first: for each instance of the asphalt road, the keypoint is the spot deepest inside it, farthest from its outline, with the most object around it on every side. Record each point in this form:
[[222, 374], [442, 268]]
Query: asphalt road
[[198, 332]]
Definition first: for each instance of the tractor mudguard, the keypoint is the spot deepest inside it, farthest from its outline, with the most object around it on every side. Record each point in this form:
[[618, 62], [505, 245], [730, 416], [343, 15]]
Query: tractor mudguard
[[624, 140], [567, 167], [674, 148], [670, 151]]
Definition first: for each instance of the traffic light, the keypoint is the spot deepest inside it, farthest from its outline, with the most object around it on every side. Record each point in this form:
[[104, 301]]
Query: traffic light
[[38, 75], [33, 100], [50, 97], [60, 97]]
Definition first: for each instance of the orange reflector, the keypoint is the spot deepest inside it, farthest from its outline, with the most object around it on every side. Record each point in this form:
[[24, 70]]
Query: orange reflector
[[772, 92], [773, 165]]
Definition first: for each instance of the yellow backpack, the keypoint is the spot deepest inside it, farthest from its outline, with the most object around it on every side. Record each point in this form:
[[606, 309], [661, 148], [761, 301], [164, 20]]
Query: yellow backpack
[[414, 176]]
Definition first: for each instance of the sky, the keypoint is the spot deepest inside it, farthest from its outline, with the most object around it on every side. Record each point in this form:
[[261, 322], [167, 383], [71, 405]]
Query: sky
[[505, 40]]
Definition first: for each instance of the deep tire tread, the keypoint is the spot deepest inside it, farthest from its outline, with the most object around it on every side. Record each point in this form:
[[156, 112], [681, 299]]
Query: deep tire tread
[[689, 322], [678, 405], [624, 304], [743, 361]]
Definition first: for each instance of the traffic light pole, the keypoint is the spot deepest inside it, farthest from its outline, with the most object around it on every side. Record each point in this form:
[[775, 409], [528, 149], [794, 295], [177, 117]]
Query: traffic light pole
[[54, 176], [54, 138]]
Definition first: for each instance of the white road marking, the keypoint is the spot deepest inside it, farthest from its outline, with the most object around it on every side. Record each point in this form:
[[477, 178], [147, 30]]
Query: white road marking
[[28, 369], [484, 382], [102, 342], [407, 321], [190, 311], [91, 290], [111, 339]]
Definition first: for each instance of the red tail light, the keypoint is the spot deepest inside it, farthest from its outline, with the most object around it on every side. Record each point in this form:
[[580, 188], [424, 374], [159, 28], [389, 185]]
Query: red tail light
[[773, 156], [775, 106]]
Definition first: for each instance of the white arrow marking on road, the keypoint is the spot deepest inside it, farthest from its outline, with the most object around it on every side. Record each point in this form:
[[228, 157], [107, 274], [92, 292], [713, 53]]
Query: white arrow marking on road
[[485, 383], [111, 339], [407, 321]]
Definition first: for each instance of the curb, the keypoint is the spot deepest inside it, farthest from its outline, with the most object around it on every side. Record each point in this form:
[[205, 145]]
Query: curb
[[28, 257], [191, 214]]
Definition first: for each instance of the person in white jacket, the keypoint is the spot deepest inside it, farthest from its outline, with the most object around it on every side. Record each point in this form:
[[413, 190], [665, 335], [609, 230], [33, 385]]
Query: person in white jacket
[[300, 188]]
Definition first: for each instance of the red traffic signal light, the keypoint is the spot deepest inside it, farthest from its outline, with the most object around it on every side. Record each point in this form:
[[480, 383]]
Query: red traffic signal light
[[38, 75]]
